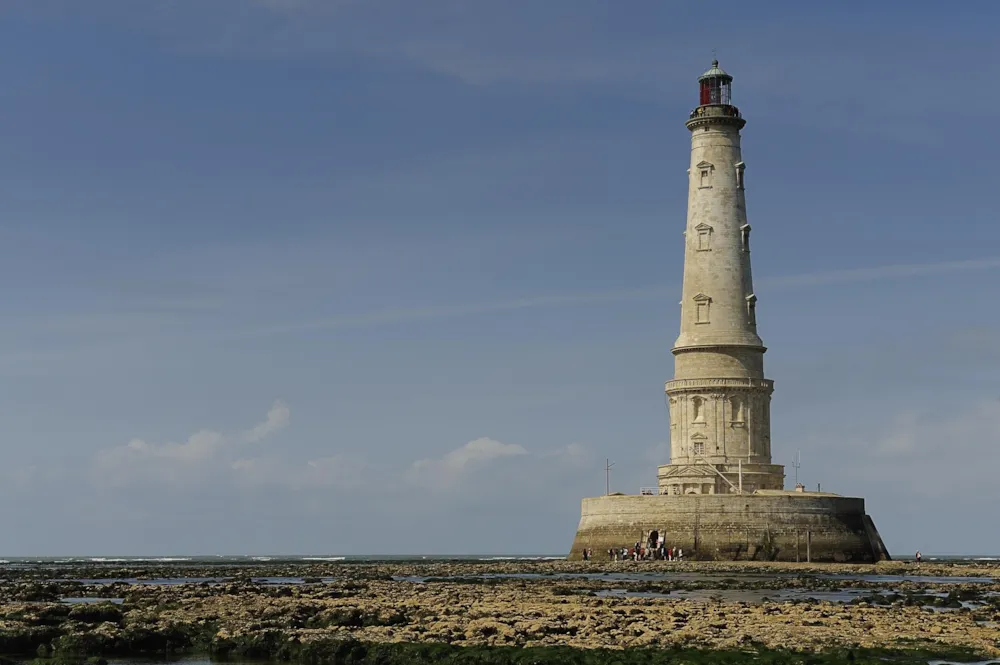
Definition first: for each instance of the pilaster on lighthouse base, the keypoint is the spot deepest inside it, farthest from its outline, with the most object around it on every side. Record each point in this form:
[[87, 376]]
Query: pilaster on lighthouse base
[[774, 525]]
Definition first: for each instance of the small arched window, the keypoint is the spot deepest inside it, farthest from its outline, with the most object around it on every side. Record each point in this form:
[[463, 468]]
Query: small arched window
[[736, 405], [698, 409]]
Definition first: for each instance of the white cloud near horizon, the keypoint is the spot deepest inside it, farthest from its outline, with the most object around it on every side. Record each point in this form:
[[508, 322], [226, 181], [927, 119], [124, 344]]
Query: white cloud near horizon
[[945, 437], [491, 465], [448, 470], [277, 418], [925, 453], [139, 461]]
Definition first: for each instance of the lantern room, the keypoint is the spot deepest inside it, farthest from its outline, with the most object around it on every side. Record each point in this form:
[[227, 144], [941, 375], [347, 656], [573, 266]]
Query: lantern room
[[715, 86]]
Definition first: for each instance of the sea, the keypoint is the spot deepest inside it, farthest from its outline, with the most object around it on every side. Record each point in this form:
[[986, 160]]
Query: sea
[[237, 559]]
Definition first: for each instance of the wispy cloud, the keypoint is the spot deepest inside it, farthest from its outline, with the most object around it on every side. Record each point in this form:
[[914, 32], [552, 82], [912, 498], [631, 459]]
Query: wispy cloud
[[554, 43], [777, 283], [494, 43], [878, 273]]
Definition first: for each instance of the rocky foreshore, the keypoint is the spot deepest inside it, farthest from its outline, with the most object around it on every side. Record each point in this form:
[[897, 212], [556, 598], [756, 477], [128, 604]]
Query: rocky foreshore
[[296, 611]]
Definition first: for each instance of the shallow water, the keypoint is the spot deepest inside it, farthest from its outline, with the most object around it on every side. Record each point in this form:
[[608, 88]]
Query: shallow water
[[278, 581], [921, 579], [701, 577], [159, 581], [705, 595], [966, 604], [175, 581], [598, 577]]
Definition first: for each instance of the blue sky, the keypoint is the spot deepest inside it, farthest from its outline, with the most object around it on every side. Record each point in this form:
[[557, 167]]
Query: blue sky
[[344, 276]]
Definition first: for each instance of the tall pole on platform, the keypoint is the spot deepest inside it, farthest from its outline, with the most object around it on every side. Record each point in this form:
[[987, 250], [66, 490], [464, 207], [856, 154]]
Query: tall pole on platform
[[607, 475]]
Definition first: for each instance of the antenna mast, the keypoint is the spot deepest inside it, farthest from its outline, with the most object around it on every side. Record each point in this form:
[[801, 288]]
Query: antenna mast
[[797, 463], [607, 475]]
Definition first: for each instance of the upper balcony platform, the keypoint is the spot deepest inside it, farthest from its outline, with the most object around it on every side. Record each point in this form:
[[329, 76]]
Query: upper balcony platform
[[715, 114]]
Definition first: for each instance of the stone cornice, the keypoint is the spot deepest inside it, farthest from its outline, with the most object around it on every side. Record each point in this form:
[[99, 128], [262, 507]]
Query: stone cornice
[[706, 120], [716, 347], [715, 114], [714, 385]]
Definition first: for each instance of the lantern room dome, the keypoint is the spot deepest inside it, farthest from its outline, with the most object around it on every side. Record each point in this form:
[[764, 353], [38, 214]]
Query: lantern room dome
[[715, 72]]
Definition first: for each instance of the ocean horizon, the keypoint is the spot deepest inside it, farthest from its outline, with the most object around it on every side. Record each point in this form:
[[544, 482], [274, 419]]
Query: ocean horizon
[[332, 558]]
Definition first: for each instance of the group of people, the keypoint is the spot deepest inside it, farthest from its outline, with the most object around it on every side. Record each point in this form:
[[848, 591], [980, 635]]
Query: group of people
[[654, 548], [656, 551]]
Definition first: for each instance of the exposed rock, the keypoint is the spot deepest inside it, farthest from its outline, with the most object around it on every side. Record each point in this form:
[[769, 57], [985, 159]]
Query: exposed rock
[[241, 617]]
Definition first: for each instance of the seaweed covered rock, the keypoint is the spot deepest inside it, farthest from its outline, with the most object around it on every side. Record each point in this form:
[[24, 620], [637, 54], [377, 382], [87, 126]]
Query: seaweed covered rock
[[561, 612], [262, 645], [96, 613], [21, 639]]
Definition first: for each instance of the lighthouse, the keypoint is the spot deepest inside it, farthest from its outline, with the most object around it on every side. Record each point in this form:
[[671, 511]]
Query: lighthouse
[[720, 497], [719, 399]]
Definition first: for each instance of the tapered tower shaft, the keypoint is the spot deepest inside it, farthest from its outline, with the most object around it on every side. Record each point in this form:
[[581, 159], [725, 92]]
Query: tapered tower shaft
[[719, 399]]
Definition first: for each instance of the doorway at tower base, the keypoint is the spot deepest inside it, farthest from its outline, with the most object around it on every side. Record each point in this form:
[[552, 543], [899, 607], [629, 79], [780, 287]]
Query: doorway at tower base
[[777, 526]]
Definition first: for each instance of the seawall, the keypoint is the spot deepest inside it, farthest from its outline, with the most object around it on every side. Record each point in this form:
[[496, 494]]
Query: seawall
[[790, 526]]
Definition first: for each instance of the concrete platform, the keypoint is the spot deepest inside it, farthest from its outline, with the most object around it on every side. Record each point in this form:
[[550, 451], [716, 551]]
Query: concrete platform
[[771, 525]]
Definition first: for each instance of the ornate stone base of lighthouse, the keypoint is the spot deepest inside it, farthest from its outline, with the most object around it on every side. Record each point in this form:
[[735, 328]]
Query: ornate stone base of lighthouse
[[770, 525], [720, 497]]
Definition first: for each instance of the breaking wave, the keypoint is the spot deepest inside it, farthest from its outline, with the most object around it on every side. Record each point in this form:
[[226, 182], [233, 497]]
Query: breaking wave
[[156, 559], [521, 558]]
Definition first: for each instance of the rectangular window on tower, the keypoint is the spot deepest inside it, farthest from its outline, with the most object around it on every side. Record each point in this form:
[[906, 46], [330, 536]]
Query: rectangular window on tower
[[701, 310], [704, 172], [699, 448], [704, 237]]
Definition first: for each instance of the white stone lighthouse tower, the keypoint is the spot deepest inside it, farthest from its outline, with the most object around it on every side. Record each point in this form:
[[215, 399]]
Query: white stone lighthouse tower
[[720, 497], [720, 440]]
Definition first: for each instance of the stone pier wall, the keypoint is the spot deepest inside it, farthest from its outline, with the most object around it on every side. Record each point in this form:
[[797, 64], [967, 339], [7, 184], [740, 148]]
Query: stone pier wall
[[732, 527]]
